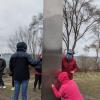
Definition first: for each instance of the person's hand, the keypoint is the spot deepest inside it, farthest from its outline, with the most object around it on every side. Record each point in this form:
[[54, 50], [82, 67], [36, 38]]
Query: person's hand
[[72, 72], [52, 85]]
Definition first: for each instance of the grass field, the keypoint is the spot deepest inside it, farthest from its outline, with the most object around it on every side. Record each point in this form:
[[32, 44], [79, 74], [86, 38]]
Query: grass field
[[6, 94], [89, 84]]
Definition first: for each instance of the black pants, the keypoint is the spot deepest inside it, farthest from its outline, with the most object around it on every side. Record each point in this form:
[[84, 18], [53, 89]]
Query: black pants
[[12, 81], [1, 80], [37, 81]]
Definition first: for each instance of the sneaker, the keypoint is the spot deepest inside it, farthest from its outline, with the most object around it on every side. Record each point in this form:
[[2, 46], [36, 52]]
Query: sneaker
[[4, 87], [13, 88]]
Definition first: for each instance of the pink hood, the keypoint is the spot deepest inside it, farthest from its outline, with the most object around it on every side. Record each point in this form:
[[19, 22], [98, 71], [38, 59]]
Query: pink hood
[[68, 90], [63, 77]]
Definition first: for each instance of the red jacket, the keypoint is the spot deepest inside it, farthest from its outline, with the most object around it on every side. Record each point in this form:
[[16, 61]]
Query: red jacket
[[69, 89], [68, 66]]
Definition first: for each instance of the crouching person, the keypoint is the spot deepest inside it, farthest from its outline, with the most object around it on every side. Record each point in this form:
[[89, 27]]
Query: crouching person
[[19, 67], [68, 90]]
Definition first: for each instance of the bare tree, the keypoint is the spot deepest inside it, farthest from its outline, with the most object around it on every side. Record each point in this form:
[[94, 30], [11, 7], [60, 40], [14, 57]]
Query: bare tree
[[29, 35], [37, 26], [96, 42], [22, 35], [79, 18]]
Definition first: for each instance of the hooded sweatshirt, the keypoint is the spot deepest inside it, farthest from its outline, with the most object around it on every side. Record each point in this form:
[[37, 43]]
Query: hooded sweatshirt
[[20, 61], [68, 66], [69, 89]]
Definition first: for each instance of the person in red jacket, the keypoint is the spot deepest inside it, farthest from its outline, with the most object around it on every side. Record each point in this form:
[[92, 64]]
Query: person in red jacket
[[68, 90], [69, 64]]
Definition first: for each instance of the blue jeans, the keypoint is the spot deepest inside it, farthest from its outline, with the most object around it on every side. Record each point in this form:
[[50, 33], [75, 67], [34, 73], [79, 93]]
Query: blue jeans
[[17, 85]]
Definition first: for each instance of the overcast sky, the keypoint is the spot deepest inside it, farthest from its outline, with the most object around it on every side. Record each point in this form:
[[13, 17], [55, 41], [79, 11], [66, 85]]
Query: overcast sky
[[15, 14], [83, 42]]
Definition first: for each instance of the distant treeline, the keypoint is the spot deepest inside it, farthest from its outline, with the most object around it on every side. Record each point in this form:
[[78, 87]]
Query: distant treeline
[[84, 63]]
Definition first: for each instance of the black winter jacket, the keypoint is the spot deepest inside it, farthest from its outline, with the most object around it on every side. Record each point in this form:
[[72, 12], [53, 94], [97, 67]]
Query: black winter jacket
[[39, 67], [2, 65], [19, 63]]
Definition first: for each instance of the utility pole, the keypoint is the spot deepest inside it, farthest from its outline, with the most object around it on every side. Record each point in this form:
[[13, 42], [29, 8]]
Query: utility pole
[[52, 45]]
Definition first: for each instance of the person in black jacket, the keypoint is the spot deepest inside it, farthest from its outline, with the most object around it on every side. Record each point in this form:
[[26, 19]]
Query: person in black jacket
[[19, 67], [2, 67], [38, 74]]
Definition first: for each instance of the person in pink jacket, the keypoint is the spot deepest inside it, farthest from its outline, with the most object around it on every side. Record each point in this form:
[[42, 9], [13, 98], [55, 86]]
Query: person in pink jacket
[[68, 90]]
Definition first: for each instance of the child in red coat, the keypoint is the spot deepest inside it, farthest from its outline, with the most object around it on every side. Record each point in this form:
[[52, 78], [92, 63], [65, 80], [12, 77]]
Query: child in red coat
[[68, 90]]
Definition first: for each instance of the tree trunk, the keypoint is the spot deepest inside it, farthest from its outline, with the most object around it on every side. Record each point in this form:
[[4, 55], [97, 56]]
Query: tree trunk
[[97, 57]]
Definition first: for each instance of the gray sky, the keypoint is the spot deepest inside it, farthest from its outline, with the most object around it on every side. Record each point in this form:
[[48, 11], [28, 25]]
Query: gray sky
[[97, 3], [15, 14], [85, 41]]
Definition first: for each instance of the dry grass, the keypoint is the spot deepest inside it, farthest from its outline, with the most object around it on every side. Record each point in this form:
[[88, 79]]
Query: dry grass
[[89, 84], [6, 94]]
